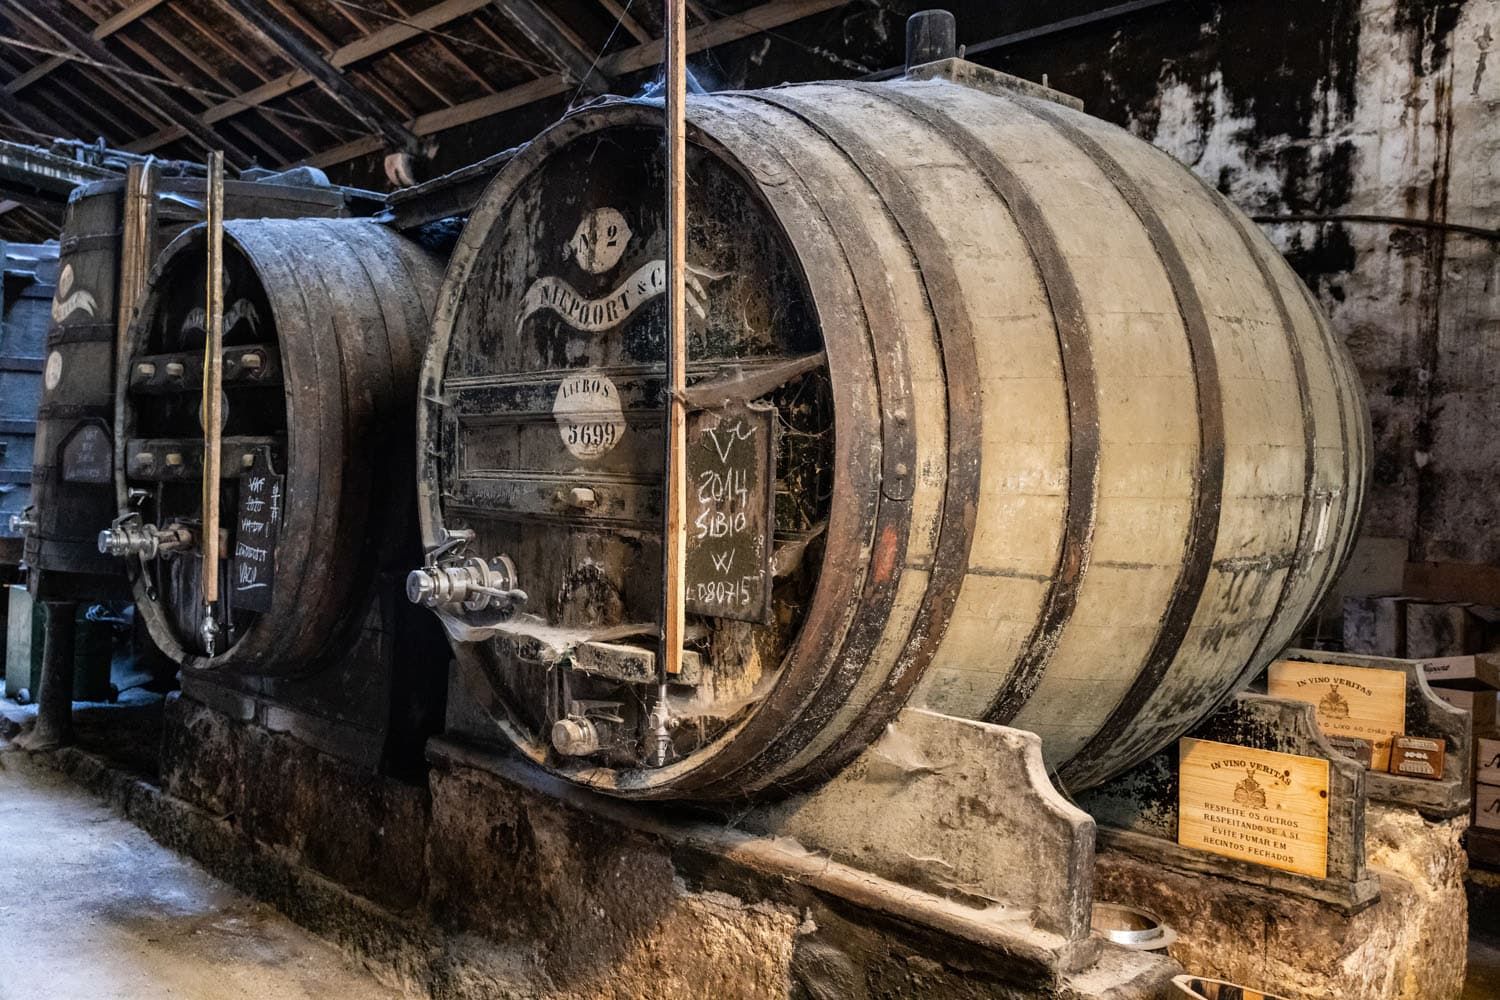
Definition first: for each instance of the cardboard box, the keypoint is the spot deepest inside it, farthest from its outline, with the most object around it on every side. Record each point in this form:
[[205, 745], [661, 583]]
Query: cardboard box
[[1473, 673], [1487, 760], [1479, 704], [1444, 629], [1487, 807], [1375, 626]]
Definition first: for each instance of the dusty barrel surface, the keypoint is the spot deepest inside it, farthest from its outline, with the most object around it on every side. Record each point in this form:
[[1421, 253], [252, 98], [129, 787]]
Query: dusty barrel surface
[[30, 275], [325, 324], [73, 478], [1058, 440]]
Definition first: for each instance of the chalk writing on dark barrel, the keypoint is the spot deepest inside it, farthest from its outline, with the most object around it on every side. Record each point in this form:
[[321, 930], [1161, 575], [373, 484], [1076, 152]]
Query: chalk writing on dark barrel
[[731, 451], [254, 574]]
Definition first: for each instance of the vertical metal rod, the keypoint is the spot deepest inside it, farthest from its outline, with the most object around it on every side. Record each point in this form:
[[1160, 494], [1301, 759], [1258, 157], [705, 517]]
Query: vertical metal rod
[[674, 541], [213, 382]]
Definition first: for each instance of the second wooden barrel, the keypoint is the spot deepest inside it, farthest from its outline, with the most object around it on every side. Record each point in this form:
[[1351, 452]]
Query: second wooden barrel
[[73, 479], [998, 411], [325, 324]]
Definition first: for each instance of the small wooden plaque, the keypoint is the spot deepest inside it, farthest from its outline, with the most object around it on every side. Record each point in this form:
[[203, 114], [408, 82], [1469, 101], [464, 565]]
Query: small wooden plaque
[[1417, 757], [1260, 806], [1366, 702], [1354, 748]]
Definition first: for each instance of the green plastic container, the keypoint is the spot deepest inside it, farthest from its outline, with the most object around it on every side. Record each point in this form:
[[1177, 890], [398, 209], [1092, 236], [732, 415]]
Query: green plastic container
[[92, 649]]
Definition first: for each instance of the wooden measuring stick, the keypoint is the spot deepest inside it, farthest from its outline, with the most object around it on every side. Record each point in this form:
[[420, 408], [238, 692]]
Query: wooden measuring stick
[[674, 541], [213, 379]]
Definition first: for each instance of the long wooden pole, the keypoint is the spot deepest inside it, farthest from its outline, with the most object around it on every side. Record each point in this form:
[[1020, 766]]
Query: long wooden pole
[[213, 382], [674, 542]]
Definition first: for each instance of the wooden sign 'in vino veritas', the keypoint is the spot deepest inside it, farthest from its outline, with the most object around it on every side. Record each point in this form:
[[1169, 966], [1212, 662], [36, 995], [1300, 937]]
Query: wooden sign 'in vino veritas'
[[1260, 806], [1366, 702]]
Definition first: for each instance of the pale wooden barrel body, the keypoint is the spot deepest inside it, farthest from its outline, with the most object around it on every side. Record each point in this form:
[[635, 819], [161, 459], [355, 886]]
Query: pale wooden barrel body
[[1095, 453]]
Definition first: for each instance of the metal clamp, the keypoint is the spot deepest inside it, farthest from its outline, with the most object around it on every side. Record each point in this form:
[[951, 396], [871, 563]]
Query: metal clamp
[[453, 581], [130, 536]]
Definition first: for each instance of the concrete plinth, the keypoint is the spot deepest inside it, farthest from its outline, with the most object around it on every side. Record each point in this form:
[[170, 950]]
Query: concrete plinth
[[528, 888], [1408, 945]]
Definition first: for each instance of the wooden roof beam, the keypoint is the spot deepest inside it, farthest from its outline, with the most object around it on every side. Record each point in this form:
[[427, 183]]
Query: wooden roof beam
[[50, 15], [623, 18], [719, 32], [559, 45], [171, 41], [31, 116], [280, 37], [361, 48], [102, 31]]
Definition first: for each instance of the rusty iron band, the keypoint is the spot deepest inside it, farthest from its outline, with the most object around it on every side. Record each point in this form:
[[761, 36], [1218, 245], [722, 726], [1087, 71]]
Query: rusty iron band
[[960, 502], [1080, 386]]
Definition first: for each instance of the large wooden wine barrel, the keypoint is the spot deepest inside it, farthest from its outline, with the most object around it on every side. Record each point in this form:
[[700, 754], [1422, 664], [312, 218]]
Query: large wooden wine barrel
[[1055, 437], [73, 481], [30, 275], [325, 324]]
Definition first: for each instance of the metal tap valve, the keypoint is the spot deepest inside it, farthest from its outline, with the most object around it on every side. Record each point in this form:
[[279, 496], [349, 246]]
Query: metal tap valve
[[22, 523], [129, 536], [470, 582]]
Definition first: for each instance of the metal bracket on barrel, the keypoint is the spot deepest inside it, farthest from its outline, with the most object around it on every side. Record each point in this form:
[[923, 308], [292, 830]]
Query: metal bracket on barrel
[[1138, 811]]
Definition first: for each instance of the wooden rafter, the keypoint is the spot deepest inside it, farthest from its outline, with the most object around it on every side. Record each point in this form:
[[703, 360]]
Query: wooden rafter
[[231, 52], [281, 38], [361, 48], [170, 40], [719, 32], [630, 24], [444, 51], [49, 15], [101, 31], [560, 45], [370, 81], [29, 115]]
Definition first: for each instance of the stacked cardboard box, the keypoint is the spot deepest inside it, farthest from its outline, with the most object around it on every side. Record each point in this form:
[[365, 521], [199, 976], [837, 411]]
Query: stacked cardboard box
[[1454, 641], [1415, 629], [1472, 683]]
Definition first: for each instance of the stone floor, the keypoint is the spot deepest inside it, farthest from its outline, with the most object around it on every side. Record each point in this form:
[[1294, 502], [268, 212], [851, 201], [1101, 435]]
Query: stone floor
[[94, 908]]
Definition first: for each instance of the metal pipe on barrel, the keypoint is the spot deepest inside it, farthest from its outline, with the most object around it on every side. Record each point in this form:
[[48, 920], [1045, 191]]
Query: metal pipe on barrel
[[674, 537], [213, 384]]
